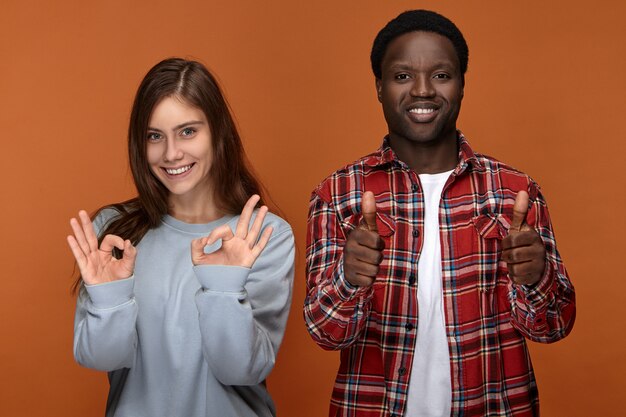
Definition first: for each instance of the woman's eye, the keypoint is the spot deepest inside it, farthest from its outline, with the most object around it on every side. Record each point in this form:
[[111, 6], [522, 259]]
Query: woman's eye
[[188, 131], [154, 137]]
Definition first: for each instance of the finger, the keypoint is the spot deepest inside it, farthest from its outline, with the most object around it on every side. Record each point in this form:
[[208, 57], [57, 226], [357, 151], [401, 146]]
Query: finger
[[527, 279], [246, 214], [368, 256], [522, 268], [111, 241], [265, 237], [197, 246], [516, 256], [358, 254], [372, 257], [524, 254], [78, 253], [256, 226], [362, 280], [223, 232], [359, 273], [520, 209], [362, 237], [130, 252], [128, 257], [368, 208], [90, 233], [366, 271], [79, 236], [197, 249], [525, 273], [522, 239]]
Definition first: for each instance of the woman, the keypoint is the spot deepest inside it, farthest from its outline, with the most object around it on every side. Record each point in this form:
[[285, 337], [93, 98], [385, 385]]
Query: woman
[[183, 300]]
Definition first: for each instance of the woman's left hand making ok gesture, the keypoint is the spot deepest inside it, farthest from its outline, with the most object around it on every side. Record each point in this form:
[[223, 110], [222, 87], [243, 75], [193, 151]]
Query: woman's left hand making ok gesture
[[239, 249]]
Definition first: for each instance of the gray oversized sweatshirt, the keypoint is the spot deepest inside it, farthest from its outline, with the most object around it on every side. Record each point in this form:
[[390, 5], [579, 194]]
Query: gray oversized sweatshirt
[[197, 341]]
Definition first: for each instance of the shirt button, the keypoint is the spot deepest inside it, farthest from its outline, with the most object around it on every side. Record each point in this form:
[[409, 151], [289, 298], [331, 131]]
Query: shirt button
[[416, 232], [402, 371], [412, 280], [408, 327], [414, 188]]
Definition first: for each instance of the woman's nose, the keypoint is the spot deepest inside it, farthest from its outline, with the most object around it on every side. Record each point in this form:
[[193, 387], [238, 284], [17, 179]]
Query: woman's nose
[[173, 152]]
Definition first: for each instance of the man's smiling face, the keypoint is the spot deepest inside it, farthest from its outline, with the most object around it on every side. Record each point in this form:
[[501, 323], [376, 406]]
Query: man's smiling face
[[421, 88]]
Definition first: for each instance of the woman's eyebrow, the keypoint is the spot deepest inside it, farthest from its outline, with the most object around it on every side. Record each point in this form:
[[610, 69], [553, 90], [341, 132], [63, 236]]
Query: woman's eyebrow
[[189, 123]]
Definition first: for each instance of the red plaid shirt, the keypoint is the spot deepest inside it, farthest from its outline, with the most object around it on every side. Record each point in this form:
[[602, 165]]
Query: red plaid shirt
[[487, 316]]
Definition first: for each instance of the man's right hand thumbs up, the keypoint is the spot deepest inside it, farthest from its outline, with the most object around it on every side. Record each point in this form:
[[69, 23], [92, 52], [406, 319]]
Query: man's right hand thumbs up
[[363, 251]]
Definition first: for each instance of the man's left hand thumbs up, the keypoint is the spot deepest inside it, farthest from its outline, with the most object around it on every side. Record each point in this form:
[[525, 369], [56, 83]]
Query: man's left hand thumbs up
[[522, 249]]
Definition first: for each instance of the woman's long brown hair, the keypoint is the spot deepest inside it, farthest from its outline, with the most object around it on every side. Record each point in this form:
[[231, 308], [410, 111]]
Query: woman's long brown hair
[[232, 178]]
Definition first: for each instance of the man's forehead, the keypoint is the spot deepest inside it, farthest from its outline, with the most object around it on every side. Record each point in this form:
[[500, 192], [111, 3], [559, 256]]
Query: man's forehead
[[420, 45]]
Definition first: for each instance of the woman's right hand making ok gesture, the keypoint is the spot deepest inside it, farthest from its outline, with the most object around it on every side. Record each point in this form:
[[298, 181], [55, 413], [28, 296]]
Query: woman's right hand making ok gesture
[[98, 265]]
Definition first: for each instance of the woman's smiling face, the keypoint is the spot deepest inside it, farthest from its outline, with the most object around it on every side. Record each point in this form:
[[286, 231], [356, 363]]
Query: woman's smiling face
[[179, 148]]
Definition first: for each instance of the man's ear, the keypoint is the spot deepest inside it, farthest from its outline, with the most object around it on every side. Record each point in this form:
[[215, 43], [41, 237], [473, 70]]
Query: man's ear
[[463, 87], [379, 86]]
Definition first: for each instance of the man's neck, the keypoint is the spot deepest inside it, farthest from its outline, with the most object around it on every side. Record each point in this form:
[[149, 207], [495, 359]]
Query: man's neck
[[427, 158]]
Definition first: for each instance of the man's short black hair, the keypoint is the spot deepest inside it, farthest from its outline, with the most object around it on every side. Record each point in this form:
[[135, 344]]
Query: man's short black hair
[[413, 21]]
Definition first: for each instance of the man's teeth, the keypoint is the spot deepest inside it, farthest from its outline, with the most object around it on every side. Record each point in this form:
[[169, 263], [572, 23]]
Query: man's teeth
[[178, 171], [422, 111]]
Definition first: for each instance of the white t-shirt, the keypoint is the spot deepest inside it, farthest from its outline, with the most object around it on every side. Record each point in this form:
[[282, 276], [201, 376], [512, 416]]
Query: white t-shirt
[[430, 392]]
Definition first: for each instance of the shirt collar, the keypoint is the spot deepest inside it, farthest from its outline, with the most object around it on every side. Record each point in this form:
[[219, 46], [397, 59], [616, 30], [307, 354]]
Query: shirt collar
[[385, 155]]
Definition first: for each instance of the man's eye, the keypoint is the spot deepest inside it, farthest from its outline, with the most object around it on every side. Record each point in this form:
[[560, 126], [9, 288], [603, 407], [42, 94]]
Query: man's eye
[[441, 76], [188, 131], [402, 77], [154, 137]]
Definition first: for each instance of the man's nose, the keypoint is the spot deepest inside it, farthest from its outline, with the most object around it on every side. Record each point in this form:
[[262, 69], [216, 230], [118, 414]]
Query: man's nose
[[422, 87]]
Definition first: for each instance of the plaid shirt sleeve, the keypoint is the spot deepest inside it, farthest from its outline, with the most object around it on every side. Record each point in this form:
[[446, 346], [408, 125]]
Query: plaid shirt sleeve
[[335, 311], [544, 312]]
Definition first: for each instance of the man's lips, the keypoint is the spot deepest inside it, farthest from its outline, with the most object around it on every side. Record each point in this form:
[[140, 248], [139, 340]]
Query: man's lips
[[423, 113]]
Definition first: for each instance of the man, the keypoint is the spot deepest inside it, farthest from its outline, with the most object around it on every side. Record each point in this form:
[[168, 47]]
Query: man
[[428, 264]]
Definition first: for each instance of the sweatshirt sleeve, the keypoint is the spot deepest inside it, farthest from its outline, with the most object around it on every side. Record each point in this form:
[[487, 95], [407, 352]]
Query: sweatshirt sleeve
[[105, 336], [243, 311]]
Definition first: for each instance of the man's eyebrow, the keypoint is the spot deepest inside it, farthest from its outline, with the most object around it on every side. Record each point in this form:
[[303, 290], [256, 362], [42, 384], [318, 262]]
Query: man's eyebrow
[[401, 66], [185, 124], [408, 66]]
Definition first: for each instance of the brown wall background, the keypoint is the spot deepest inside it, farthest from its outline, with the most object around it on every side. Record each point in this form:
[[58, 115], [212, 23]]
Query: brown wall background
[[545, 92]]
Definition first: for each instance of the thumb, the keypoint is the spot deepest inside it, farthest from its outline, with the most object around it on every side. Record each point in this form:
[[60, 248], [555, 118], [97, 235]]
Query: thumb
[[368, 208], [520, 209]]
